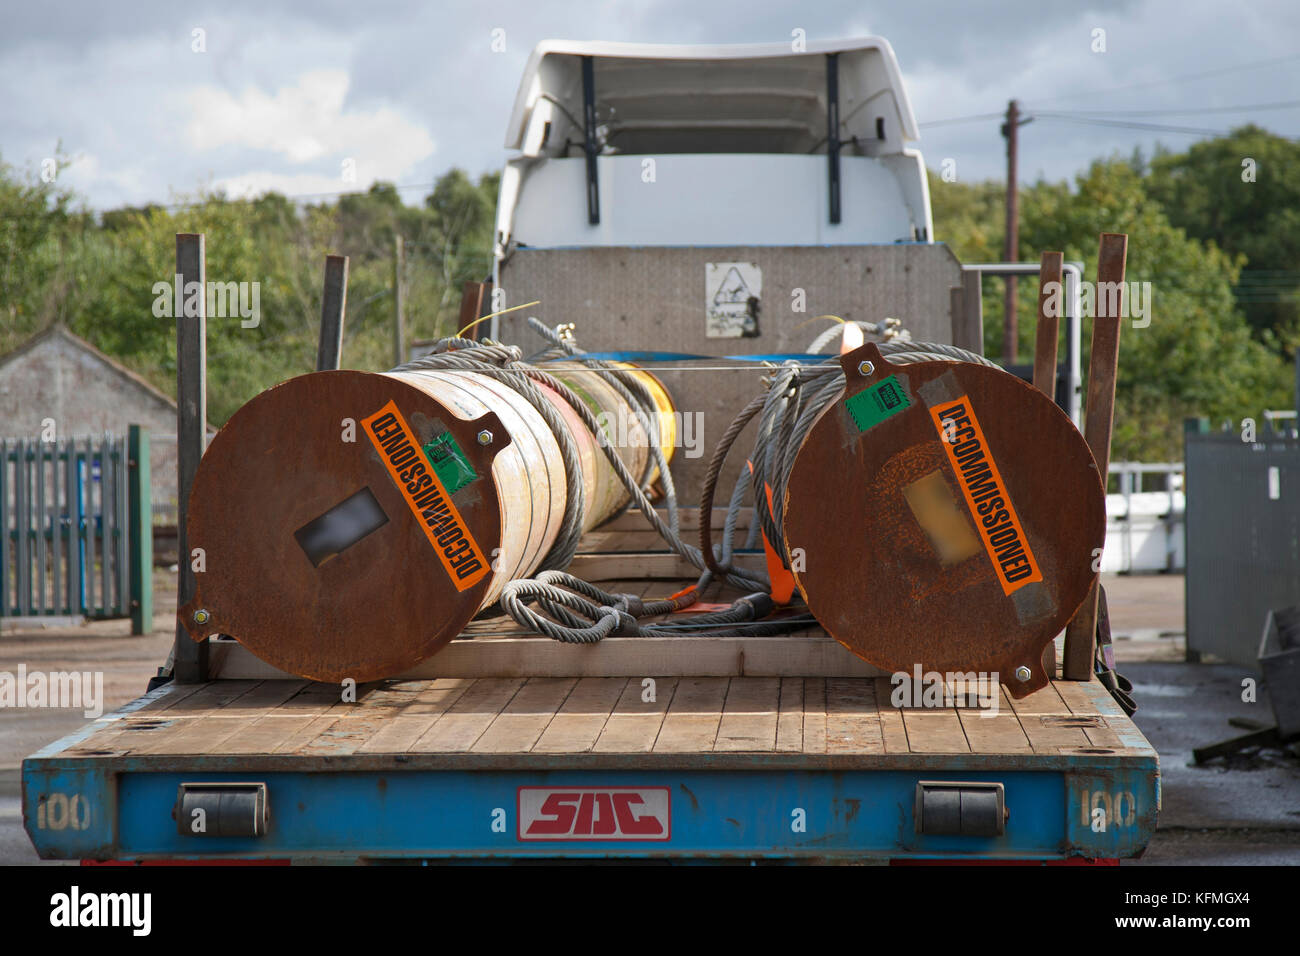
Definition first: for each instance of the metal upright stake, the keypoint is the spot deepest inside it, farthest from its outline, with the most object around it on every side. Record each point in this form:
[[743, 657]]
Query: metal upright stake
[[1099, 420], [971, 335], [1049, 325], [473, 296], [399, 301], [333, 305], [191, 661], [5, 606], [139, 530]]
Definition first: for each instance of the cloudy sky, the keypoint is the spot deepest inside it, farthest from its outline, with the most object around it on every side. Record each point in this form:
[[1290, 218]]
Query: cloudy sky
[[284, 93]]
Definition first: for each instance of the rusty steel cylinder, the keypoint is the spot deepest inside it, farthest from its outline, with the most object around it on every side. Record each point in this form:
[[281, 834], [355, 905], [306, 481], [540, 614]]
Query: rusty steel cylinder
[[350, 524], [943, 516]]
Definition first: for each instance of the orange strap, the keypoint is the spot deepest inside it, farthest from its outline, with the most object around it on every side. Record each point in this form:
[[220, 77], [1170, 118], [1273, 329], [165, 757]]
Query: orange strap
[[780, 576]]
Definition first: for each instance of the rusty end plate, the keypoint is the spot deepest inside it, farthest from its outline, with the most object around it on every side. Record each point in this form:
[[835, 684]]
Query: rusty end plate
[[313, 556], [961, 555]]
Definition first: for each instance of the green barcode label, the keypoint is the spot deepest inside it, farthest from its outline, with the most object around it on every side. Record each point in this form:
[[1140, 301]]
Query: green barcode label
[[873, 405], [449, 463]]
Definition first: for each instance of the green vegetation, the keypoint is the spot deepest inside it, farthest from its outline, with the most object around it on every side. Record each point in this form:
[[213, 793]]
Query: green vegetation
[[1218, 344], [1220, 253], [97, 277]]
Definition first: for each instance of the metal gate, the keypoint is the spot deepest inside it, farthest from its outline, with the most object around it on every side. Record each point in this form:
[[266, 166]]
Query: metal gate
[[1243, 539], [64, 517]]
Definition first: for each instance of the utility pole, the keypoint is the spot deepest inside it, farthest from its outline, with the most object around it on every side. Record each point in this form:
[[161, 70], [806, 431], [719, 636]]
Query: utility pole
[[399, 302], [1011, 247]]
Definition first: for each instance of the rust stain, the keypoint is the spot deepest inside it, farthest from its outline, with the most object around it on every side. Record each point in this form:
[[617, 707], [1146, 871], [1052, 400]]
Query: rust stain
[[695, 803]]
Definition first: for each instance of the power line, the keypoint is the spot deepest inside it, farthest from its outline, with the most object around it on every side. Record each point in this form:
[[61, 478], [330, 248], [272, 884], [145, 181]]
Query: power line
[[1103, 114], [1123, 124], [962, 119], [1177, 79], [1291, 104], [1245, 108]]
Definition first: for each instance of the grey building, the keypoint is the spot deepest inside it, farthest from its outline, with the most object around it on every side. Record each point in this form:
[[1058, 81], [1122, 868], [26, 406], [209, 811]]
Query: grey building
[[57, 375]]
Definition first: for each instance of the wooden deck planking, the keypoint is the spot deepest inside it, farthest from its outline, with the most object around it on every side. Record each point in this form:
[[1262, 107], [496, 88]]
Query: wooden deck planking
[[307, 731], [789, 722], [814, 715], [580, 720], [634, 724], [1049, 739], [408, 725], [204, 720], [1046, 736], [891, 719], [212, 697], [523, 720], [935, 732], [749, 715], [1045, 701], [456, 730], [120, 735], [852, 718], [601, 715], [1081, 703], [691, 724], [178, 693], [240, 715], [997, 732]]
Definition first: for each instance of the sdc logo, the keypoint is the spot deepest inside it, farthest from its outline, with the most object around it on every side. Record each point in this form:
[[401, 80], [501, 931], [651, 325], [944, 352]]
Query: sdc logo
[[594, 813]]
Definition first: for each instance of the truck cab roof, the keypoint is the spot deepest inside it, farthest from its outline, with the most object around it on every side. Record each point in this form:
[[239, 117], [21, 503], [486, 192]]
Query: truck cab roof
[[743, 98], [734, 139]]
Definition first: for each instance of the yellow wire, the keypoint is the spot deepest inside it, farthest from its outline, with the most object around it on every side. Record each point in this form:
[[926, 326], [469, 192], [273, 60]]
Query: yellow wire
[[817, 317], [494, 314]]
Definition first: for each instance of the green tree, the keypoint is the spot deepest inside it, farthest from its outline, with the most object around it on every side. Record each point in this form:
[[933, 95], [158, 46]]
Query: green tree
[[1197, 356], [42, 253], [102, 278], [1242, 192]]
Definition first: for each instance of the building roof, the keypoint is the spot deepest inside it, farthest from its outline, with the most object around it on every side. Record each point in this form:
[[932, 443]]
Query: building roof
[[62, 333]]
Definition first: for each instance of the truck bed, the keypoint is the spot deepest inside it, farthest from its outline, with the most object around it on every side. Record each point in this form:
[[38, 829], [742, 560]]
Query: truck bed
[[744, 748]]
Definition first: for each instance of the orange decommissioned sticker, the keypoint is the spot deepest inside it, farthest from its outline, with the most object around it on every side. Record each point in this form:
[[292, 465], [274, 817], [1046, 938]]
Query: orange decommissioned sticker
[[986, 495], [426, 496]]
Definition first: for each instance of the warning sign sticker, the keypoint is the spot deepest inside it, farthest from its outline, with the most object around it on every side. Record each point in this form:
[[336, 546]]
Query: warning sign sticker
[[426, 496], [986, 494], [732, 292]]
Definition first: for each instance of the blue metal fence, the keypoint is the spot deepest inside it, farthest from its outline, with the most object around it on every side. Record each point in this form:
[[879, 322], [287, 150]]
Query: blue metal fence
[[63, 527]]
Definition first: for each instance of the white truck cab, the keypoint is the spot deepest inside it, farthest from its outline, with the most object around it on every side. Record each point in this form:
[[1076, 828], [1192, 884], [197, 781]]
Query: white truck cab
[[624, 144]]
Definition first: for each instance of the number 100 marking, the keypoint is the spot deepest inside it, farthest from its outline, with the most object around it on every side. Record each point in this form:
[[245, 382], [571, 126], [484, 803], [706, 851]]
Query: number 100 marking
[[60, 812]]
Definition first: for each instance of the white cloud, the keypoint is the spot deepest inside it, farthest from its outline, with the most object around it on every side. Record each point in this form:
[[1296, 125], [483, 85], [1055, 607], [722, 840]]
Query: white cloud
[[286, 92], [306, 122]]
